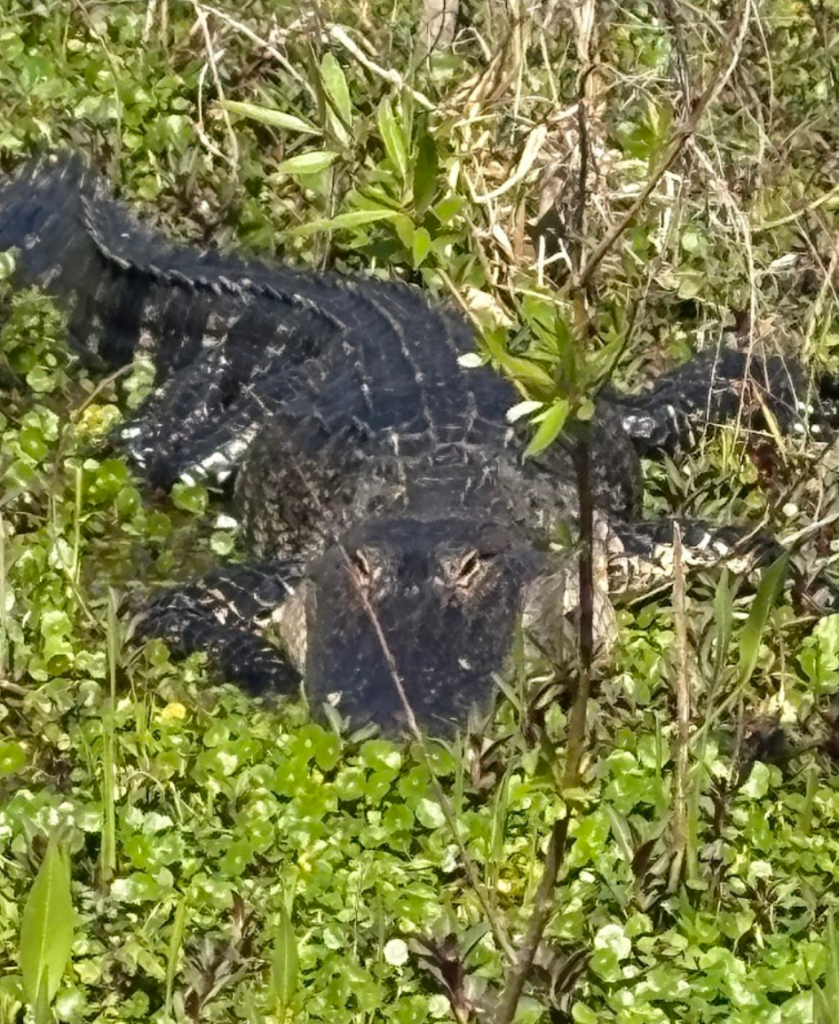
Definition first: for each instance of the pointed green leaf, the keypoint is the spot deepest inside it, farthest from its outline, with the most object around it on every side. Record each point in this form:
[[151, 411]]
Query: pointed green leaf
[[339, 112], [309, 163], [404, 228], [392, 137], [274, 118], [522, 369], [826, 997], [284, 964], [175, 944], [353, 219], [46, 931], [621, 832], [421, 246], [767, 593], [526, 370], [41, 1005], [551, 423]]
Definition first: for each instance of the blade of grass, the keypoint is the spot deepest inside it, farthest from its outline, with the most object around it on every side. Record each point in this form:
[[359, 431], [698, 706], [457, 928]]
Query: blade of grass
[[750, 637], [752, 633], [274, 118], [108, 850], [826, 998], [681, 688], [175, 943]]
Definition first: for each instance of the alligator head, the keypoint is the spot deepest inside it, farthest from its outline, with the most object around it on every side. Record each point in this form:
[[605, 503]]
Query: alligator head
[[428, 607]]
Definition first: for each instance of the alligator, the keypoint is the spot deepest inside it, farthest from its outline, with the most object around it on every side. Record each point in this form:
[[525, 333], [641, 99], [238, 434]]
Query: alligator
[[399, 544]]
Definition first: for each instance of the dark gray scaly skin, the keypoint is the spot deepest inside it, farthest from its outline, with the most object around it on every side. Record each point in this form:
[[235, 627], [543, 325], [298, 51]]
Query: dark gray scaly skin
[[382, 493]]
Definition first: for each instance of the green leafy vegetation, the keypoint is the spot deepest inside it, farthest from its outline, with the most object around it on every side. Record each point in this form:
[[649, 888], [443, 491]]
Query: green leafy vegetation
[[230, 861]]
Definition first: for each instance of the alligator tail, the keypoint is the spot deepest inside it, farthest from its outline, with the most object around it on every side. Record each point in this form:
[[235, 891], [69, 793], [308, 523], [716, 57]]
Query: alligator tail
[[43, 217], [41, 214], [127, 290]]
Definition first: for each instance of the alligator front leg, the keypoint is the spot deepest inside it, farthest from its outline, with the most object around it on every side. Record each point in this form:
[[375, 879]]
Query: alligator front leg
[[640, 558], [712, 389], [225, 613], [641, 555], [200, 423]]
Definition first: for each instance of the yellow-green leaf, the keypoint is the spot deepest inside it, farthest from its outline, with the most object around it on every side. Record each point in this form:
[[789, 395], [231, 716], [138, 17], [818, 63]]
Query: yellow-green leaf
[[46, 930], [339, 113], [421, 246], [284, 965], [551, 423], [353, 219], [724, 618], [404, 228], [175, 945], [526, 370], [522, 369], [392, 137], [275, 118], [309, 163], [750, 637]]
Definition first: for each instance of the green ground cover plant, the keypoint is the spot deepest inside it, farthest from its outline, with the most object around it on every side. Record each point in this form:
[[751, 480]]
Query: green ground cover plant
[[602, 188]]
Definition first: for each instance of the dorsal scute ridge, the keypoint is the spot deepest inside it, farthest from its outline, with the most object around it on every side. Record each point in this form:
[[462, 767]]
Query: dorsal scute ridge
[[242, 289], [98, 203]]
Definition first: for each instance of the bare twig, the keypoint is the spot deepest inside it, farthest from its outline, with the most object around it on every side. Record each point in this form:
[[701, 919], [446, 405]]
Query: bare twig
[[681, 688], [577, 720], [15, 688], [151, 15], [201, 14], [151, 12], [498, 930], [790, 218], [682, 68], [542, 910], [535, 141], [339, 34], [268, 47], [496, 924], [674, 148], [579, 212], [437, 24], [200, 130], [543, 904]]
